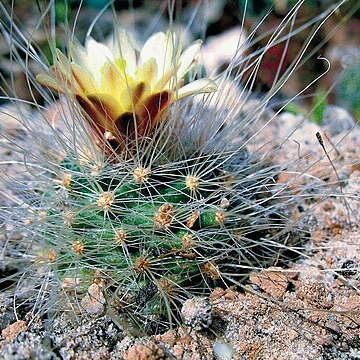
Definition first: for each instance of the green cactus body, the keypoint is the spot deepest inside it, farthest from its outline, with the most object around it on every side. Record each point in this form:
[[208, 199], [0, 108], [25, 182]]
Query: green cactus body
[[153, 238]]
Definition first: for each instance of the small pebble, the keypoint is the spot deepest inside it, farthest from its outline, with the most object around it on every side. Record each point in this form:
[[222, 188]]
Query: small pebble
[[94, 301], [197, 313], [349, 268], [13, 330], [223, 350], [337, 119]]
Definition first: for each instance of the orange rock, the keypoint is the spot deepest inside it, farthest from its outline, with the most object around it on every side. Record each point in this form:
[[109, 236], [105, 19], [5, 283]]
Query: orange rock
[[274, 281], [13, 330], [149, 351]]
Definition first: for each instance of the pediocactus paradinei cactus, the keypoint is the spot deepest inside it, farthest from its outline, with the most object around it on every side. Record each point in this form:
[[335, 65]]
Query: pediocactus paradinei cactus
[[147, 197]]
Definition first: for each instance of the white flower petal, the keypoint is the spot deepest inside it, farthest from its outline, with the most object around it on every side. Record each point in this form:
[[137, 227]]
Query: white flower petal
[[168, 59], [187, 58], [124, 48], [196, 87], [97, 55], [161, 47], [152, 46], [78, 54], [93, 47]]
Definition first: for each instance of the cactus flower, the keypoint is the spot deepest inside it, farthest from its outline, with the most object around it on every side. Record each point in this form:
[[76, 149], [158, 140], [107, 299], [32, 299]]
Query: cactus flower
[[123, 92]]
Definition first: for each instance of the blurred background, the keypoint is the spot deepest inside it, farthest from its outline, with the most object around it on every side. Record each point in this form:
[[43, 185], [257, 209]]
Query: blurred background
[[221, 24]]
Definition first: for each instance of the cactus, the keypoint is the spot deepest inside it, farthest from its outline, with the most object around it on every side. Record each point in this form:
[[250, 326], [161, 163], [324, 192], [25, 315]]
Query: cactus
[[150, 207], [156, 235]]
